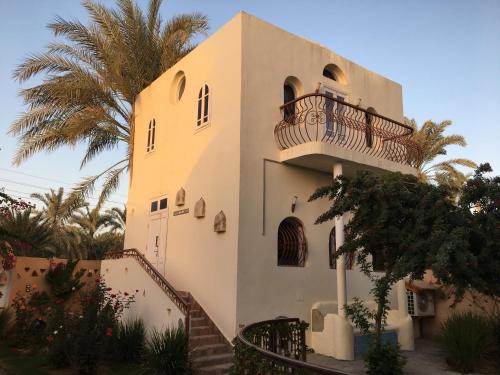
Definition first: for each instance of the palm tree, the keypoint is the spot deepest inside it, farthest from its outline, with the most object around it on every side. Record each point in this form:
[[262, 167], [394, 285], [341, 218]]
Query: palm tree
[[90, 82], [430, 137], [56, 215], [55, 211], [28, 234], [95, 241], [118, 218]]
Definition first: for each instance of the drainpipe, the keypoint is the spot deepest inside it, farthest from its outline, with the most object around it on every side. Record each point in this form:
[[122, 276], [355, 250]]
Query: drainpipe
[[339, 235]]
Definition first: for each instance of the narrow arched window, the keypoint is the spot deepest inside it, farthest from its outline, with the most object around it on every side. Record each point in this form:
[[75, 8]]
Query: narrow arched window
[[203, 106], [369, 119], [151, 136], [292, 243], [288, 98]]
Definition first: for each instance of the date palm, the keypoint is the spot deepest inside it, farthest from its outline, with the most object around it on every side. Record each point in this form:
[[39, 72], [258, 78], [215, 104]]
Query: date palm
[[56, 215], [117, 219], [90, 81], [431, 138]]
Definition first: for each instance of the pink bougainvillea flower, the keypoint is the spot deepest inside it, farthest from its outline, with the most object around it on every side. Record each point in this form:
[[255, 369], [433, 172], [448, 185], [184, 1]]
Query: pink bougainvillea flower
[[50, 338], [59, 301], [109, 332]]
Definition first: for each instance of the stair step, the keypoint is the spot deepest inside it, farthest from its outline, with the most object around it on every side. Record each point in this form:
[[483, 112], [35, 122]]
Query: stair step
[[215, 359], [210, 349], [198, 322], [201, 330], [204, 340], [214, 370]]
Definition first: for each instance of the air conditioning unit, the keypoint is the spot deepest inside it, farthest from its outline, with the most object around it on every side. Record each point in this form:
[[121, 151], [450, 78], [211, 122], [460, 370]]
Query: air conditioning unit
[[421, 303]]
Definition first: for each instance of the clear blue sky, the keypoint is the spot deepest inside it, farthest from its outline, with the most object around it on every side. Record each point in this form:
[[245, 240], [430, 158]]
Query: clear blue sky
[[445, 53]]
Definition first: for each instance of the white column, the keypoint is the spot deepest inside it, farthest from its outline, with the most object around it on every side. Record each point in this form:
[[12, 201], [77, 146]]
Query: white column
[[339, 236]]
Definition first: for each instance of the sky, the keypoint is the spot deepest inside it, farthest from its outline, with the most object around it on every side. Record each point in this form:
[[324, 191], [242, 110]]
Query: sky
[[445, 54]]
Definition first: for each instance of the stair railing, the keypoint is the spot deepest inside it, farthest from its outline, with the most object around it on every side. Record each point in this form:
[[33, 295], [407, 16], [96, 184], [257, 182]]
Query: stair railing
[[160, 280]]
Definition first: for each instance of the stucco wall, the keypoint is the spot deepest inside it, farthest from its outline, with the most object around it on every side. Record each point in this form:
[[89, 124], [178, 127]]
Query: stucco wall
[[151, 304], [445, 307], [205, 163], [29, 274], [266, 290]]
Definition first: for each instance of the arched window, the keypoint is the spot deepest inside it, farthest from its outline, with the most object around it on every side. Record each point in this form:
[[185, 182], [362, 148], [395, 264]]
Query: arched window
[[333, 72], [332, 250], [203, 107], [151, 136], [292, 243], [369, 118], [288, 96]]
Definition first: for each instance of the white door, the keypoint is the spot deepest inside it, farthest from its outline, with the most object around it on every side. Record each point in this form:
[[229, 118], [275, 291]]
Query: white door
[[157, 241]]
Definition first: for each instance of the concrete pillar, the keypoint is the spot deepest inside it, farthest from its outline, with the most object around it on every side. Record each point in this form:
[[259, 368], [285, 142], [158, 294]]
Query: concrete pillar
[[339, 236]]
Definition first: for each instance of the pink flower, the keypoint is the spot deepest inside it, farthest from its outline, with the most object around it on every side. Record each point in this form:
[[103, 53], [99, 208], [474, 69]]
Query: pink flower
[[109, 332], [50, 338]]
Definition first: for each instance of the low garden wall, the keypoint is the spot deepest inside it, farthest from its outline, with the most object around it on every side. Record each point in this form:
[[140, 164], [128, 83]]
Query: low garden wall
[[28, 276]]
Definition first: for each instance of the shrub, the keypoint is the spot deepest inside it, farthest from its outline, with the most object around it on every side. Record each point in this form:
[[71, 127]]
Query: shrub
[[61, 279], [384, 359], [465, 337], [167, 352], [130, 341], [4, 320], [495, 336], [85, 339]]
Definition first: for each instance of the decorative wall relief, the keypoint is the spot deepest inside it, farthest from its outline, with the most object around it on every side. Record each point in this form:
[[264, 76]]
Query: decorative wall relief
[[220, 222], [199, 208], [180, 197]]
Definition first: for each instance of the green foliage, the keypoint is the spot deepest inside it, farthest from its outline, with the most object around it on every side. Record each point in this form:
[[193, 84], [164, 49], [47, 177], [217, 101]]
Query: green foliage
[[360, 315], [465, 337], [167, 352], [384, 359], [396, 217], [475, 262], [85, 340], [62, 279], [129, 343]]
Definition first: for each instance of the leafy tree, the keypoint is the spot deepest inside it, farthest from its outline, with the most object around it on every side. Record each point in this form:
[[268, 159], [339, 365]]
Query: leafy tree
[[91, 80], [476, 263], [396, 219], [430, 137]]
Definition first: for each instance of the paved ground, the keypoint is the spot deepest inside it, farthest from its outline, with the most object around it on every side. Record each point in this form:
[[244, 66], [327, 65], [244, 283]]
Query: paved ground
[[427, 359]]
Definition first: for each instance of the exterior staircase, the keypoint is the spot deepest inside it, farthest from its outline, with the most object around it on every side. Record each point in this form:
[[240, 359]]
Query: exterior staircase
[[211, 353]]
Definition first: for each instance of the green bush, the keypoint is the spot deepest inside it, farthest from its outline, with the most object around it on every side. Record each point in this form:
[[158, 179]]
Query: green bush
[[62, 279], [167, 352], [384, 359], [495, 336], [130, 341], [465, 337]]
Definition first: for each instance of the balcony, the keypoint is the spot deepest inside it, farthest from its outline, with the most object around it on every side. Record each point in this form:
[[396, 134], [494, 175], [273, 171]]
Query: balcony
[[315, 124]]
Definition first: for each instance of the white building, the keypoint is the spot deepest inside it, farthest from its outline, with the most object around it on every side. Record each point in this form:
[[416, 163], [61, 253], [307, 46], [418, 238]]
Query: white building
[[222, 171]]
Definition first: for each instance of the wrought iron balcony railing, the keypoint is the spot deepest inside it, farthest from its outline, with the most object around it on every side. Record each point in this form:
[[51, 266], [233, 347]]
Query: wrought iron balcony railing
[[320, 118]]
